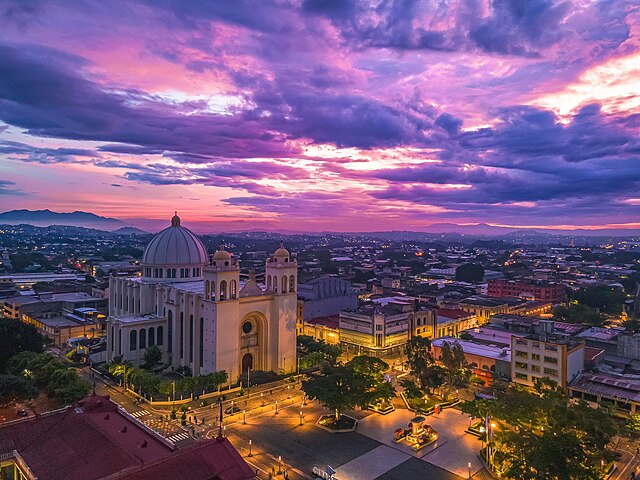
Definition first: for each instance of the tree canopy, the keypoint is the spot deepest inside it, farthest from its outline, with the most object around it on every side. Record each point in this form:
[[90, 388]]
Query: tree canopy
[[470, 273], [16, 337], [544, 435], [341, 387], [609, 300], [578, 313]]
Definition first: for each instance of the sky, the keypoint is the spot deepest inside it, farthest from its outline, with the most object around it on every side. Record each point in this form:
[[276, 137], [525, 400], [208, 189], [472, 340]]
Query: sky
[[323, 115]]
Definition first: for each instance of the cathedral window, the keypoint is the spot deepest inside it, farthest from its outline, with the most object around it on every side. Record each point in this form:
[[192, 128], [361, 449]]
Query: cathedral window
[[201, 347], [223, 290], [233, 289], [160, 337], [275, 284], [181, 335], [143, 339], [247, 327], [133, 340], [284, 284], [191, 338], [152, 336], [292, 284]]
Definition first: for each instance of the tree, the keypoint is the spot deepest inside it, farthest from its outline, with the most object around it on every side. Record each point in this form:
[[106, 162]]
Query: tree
[[369, 366], [548, 437], [633, 423], [419, 358], [578, 313], [340, 388], [470, 273], [454, 362], [608, 300], [50, 374], [152, 357], [411, 390], [433, 377], [16, 337], [632, 325], [15, 389]]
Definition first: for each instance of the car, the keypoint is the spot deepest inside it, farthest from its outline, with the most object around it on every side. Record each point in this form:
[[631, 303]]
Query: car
[[23, 413], [231, 410]]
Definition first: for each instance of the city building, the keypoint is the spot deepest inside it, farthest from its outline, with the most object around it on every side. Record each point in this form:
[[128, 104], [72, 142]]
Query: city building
[[98, 440], [323, 329], [530, 289], [546, 354], [379, 330], [196, 310], [16, 307], [485, 361], [451, 321], [324, 296], [60, 327], [617, 392]]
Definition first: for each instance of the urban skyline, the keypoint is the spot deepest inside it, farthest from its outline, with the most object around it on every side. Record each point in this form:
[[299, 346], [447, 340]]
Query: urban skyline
[[330, 116]]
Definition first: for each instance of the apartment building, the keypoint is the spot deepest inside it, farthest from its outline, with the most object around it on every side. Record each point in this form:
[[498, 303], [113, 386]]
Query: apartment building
[[543, 355]]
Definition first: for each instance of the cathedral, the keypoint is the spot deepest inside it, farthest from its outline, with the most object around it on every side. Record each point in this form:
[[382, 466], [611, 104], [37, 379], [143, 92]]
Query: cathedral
[[198, 312]]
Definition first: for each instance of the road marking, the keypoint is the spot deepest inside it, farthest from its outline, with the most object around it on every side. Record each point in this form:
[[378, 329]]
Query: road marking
[[140, 413], [178, 437]]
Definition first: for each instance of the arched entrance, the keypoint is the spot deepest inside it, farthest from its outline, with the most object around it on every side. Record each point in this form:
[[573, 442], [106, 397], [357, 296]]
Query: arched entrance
[[253, 343], [247, 362]]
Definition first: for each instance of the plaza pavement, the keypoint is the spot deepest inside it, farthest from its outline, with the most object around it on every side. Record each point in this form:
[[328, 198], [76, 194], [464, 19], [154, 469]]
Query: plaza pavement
[[366, 454], [453, 450]]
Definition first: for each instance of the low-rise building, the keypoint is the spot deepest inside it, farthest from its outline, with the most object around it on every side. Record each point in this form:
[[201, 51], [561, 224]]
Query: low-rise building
[[375, 329], [530, 289], [485, 361], [451, 321], [620, 393]]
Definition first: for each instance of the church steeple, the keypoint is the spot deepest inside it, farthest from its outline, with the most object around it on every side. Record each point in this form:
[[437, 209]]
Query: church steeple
[[175, 221]]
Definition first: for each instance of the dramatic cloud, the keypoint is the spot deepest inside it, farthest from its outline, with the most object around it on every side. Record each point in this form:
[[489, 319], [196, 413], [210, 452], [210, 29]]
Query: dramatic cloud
[[332, 114]]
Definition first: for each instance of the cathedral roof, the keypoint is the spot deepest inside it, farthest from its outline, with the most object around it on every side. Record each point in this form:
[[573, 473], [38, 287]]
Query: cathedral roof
[[175, 245]]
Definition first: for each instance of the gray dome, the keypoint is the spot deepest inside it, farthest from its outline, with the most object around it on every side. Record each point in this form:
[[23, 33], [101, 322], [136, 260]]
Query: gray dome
[[175, 245]]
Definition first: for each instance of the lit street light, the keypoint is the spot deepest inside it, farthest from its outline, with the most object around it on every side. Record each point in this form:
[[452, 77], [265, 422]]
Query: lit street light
[[301, 418], [250, 454], [244, 417], [276, 408], [469, 465]]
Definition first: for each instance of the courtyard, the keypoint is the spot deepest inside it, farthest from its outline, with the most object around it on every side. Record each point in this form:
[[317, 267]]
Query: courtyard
[[279, 441]]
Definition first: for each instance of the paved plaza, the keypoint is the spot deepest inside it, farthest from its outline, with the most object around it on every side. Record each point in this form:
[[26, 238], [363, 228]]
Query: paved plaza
[[453, 451], [369, 453]]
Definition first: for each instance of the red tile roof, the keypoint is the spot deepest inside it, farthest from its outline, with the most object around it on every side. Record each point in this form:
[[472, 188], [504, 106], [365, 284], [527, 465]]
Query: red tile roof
[[96, 440]]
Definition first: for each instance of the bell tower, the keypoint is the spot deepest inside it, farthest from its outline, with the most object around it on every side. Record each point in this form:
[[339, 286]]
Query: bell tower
[[222, 277], [281, 277]]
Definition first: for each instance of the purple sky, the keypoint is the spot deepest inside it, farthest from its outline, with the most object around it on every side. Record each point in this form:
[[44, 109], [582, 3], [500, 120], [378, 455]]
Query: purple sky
[[323, 114]]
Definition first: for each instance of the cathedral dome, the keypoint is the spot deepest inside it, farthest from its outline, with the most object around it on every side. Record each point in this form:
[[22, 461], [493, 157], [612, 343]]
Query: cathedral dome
[[175, 245], [221, 255], [281, 252]]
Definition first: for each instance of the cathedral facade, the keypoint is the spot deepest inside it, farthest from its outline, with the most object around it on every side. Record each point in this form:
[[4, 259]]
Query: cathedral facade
[[196, 310]]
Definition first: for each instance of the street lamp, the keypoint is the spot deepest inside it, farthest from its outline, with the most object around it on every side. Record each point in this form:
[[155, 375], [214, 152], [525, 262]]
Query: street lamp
[[469, 466], [244, 417], [250, 454], [276, 408], [279, 464], [301, 418]]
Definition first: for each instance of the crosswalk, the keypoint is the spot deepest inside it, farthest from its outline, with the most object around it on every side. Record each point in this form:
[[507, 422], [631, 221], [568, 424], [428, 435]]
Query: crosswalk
[[140, 413], [178, 437]]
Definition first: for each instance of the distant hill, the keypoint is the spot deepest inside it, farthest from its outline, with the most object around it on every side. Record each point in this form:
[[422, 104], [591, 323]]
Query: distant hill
[[45, 218], [130, 231]]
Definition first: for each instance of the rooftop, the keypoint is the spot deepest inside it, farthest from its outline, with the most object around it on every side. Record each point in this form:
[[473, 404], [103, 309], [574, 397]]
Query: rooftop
[[472, 348], [97, 440]]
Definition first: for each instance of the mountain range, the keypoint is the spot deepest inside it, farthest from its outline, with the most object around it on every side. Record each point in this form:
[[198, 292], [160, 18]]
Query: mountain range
[[45, 218]]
